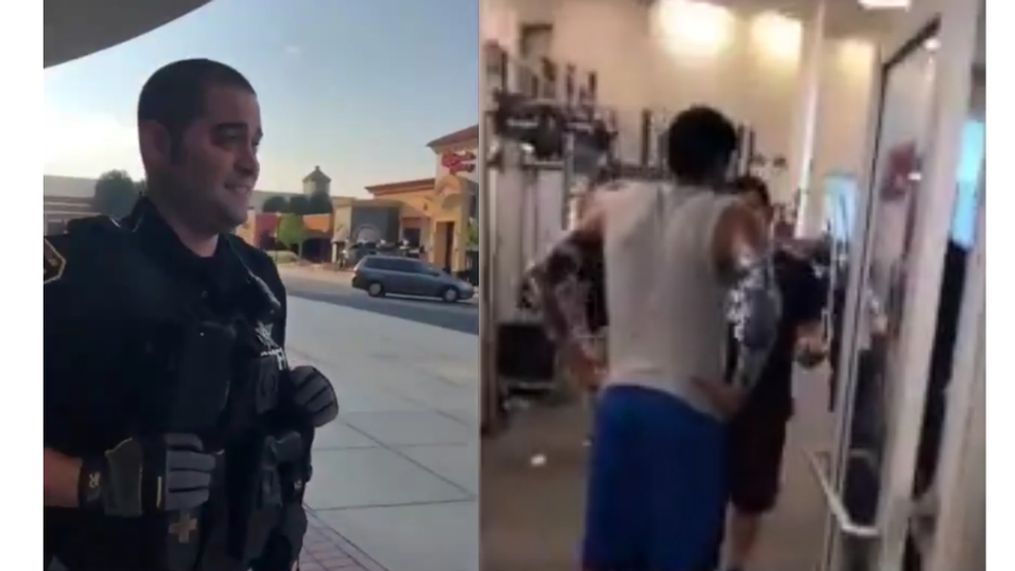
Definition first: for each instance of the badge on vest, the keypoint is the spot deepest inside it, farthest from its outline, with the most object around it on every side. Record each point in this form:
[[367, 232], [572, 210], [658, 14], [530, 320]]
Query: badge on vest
[[54, 263], [270, 348], [183, 527]]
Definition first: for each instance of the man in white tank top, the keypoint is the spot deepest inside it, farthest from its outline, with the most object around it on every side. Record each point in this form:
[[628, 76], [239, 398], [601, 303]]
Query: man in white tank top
[[657, 477]]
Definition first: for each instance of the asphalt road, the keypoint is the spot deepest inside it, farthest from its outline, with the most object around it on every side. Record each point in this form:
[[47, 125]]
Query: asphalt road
[[463, 317]]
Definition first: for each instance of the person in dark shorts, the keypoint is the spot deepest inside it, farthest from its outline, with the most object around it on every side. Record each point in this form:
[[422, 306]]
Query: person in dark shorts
[[757, 433]]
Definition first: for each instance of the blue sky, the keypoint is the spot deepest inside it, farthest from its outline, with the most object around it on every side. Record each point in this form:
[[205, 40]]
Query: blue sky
[[356, 86]]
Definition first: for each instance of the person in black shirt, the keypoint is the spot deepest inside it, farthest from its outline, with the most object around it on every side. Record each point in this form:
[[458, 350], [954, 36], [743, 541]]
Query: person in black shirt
[[758, 431], [176, 435]]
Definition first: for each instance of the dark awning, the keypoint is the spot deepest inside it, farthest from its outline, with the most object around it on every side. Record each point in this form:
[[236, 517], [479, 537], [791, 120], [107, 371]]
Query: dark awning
[[76, 28]]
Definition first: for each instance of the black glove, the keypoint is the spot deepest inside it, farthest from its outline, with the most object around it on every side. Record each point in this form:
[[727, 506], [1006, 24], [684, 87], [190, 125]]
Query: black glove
[[313, 395], [147, 475]]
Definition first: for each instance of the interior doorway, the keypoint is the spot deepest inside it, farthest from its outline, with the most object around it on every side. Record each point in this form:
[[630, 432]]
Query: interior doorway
[[907, 295]]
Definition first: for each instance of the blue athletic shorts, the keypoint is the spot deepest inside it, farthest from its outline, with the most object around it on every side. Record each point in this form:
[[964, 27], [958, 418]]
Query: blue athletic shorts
[[657, 484]]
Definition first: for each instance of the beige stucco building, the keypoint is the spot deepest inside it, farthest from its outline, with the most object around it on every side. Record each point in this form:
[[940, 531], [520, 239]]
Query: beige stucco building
[[438, 213]]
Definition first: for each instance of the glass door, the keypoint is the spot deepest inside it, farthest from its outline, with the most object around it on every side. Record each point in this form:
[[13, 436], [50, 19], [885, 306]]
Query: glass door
[[903, 234], [947, 493], [894, 195]]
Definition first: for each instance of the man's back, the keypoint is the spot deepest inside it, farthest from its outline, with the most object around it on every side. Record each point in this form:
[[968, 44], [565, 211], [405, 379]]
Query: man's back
[[666, 300]]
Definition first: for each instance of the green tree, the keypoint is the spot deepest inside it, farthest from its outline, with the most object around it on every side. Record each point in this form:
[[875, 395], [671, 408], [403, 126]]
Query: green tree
[[473, 233], [319, 203], [115, 194], [291, 232], [276, 204], [299, 204]]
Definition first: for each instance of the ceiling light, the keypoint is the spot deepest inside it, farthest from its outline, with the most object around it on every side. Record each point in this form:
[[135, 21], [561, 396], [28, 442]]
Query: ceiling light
[[884, 4], [932, 44], [778, 36], [693, 28]]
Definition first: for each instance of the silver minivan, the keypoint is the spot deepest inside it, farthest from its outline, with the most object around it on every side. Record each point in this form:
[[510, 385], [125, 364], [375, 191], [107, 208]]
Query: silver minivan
[[381, 275]]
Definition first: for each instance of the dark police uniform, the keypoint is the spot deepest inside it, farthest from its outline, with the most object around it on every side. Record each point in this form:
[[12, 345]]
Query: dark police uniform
[[143, 337]]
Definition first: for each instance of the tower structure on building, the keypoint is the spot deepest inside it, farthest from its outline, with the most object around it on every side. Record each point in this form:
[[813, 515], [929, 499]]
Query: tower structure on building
[[316, 181]]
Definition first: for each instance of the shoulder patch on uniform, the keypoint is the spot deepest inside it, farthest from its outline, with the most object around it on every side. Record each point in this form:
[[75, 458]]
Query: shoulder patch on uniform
[[54, 262]]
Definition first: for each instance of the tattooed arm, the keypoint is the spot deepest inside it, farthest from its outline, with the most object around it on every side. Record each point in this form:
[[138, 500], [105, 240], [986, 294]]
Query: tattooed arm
[[757, 308], [740, 254], [555, 286]]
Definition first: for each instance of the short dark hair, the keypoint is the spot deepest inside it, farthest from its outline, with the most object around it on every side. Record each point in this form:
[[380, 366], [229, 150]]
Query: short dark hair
[[750, 183], [699, 139], [174, 95]]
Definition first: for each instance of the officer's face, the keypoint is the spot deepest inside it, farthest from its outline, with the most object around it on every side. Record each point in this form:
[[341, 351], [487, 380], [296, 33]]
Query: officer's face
[[216, 167]]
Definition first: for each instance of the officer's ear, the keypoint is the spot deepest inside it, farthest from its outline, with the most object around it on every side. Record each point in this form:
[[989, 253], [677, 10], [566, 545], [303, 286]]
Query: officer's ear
[[156, 145]]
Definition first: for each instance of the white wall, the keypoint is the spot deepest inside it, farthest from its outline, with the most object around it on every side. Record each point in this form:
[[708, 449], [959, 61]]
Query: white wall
[[624, 42], [498, 22], [841, 125]]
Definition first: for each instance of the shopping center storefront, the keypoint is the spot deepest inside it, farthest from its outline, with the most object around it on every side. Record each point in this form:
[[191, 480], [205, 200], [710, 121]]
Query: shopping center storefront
[[440, 213]]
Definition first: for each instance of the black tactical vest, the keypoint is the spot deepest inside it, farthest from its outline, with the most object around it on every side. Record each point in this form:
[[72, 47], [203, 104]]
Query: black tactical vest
[[190, 350]]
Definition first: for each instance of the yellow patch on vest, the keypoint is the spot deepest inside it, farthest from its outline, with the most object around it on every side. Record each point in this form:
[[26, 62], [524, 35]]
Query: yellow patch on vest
[[54, 263]]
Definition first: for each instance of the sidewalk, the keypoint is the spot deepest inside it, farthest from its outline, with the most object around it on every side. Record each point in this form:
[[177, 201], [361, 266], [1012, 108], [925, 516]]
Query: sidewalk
[[316, 272], [396, 477], [326, 550]]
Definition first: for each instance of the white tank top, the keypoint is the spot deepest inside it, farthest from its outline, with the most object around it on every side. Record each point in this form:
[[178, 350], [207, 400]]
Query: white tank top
[[666, 303]]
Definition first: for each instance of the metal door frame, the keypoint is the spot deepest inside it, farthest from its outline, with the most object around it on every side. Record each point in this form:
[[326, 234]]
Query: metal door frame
[[955, 24]]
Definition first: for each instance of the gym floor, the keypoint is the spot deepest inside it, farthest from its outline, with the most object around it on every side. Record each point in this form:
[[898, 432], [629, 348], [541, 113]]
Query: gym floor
[[533, 486]]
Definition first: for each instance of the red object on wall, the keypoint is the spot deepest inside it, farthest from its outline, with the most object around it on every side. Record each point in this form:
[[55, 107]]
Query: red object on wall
[[901, 170], [459, 162]]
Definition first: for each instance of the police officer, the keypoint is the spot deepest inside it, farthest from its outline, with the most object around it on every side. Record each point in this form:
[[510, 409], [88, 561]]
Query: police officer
[[176, 435]]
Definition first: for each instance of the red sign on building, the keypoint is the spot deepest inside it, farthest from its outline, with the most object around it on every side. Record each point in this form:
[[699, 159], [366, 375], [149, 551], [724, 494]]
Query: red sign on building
[[459, 162]]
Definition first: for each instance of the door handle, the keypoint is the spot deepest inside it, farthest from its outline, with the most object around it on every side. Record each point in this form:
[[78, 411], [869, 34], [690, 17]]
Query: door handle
[[835, 504]]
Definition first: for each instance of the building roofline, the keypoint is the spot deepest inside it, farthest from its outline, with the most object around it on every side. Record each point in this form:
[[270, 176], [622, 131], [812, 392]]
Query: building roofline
[[401, 186], [465, 135]]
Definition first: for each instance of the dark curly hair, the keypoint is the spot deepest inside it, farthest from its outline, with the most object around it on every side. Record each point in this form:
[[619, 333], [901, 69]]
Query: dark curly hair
[[700, 141]]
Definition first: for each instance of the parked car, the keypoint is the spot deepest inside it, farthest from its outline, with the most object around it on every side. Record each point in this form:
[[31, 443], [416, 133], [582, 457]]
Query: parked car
[[381, 275], [353, 253]]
